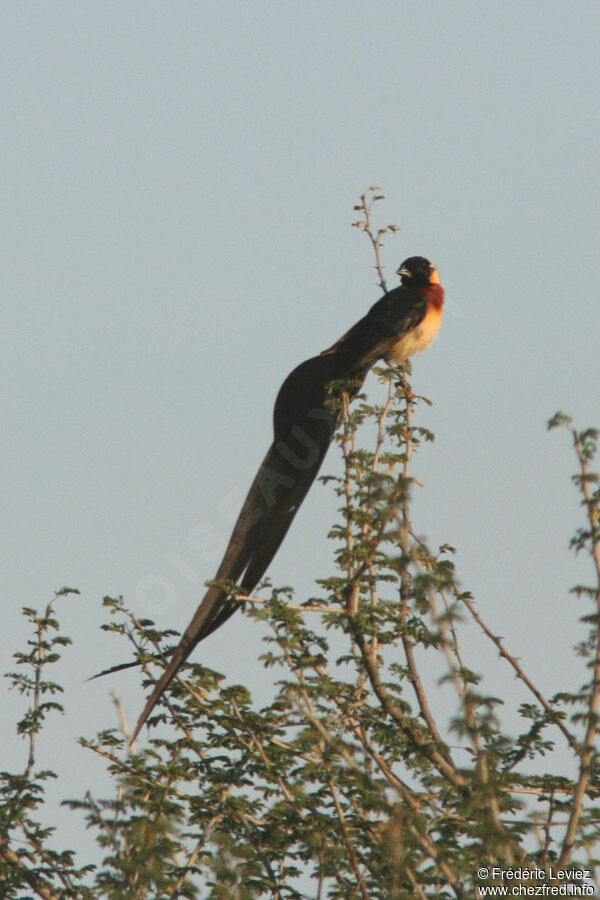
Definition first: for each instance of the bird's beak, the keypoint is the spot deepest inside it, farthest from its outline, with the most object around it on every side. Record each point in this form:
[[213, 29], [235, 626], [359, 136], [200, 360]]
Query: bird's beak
[[402, 271], [434, 277]]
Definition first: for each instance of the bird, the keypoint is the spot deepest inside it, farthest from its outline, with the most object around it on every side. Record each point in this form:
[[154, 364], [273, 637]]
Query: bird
[[403, 321]]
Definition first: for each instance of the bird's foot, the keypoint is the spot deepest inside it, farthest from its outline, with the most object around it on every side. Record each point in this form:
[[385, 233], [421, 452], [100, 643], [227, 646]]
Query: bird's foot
[[401, 381]]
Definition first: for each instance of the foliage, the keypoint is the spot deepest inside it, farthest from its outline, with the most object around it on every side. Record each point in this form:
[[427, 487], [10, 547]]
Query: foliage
[[347, 783]]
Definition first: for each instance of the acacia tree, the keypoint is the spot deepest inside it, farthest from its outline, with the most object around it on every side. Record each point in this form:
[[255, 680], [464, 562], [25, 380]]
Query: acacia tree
[[346, 784]]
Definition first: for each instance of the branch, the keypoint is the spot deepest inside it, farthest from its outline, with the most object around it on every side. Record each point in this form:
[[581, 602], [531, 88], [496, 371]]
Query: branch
[[519, 671], [347, 840], [365, 225], [309, 607], [256, 741], [589, 749], [421, 740], [491, 798], [405, 580], [38, 884]]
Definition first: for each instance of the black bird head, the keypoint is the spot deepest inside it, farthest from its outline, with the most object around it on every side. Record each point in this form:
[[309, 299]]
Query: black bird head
[[416, 271]]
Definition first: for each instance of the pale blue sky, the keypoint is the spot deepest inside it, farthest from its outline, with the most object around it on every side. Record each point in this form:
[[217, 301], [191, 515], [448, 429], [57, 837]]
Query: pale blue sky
[[178, 182]]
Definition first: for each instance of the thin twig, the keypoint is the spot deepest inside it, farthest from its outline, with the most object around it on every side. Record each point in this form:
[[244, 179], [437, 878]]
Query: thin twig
[[421, 740], [354, 860], [40, 635], [470, 713], [392, 394], [546, 829], [405, 580], [255, 740], [491, 798], [366, 226], [185, 875], [309, 607], [589, 750], [519, 671]]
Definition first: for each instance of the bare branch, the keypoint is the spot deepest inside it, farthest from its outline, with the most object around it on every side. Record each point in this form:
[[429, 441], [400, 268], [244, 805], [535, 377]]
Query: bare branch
[[366, 225], [519, 671]]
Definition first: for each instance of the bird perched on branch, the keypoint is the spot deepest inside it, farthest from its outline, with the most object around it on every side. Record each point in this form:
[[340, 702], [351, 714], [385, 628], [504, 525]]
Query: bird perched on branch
[[403, 321]]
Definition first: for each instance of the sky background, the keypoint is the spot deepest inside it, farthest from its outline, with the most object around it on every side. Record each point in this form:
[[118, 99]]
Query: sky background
[[178, 183]]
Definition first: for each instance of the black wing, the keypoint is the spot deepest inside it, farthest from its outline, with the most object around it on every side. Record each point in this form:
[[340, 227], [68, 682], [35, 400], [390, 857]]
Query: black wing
[[395, 314]]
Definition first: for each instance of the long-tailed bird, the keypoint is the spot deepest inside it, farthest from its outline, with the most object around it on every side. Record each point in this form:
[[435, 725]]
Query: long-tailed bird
[[403, 321]]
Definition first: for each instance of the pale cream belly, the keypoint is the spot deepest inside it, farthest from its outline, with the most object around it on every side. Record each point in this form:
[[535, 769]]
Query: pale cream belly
[[417, 339]]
